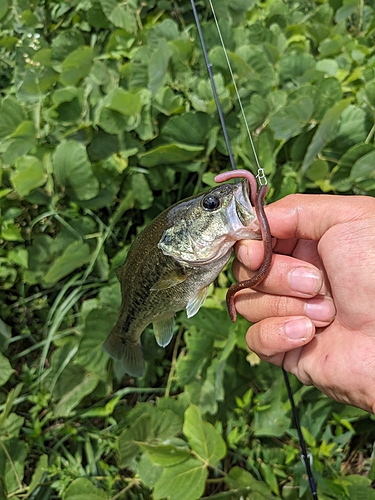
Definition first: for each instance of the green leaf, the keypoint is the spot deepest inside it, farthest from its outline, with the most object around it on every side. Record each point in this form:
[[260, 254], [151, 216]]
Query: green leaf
[[40, 470], [6, 369], [185, 481], [73, 170], [142, 193], [290, 121], [166, 455], [238, 478], [12, 463], [72, 398], [75, 255], [4, 6], [128, 440], [189, 128], [83, 489], [90, 353], [324, 132], [340, 177], [121, 15], [148, 471], [29, 175], [76, 66], [124, 102], [170, 153], [158, 66], [364, 169], [11, 115], [202, 437]]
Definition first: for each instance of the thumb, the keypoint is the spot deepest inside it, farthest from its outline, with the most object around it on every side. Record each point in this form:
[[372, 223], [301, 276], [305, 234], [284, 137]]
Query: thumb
[[310, 216]]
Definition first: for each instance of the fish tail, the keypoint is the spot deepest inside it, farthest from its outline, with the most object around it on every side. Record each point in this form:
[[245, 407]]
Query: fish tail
[[128, 356]]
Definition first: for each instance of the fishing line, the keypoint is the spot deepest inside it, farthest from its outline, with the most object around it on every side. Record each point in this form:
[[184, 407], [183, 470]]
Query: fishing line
[[213, 85], [262, 181], [260, 172]]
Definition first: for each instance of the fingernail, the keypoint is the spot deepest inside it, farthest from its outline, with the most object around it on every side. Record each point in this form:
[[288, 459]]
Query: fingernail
[[305, 280], [243, 254], [298, 329], [320, 308]]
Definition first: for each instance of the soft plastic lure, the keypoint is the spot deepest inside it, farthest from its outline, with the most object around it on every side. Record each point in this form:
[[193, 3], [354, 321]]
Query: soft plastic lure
[[257, 200]]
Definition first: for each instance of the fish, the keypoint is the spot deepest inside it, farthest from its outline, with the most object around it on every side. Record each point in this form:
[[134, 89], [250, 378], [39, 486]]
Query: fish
[[171, 264]]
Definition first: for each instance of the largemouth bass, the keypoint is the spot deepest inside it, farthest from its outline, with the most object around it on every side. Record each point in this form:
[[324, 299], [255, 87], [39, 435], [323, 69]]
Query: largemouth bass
[[171, 264]]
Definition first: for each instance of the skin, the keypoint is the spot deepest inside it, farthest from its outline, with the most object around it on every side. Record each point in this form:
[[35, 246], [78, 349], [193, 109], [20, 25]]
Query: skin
[[314, 312]]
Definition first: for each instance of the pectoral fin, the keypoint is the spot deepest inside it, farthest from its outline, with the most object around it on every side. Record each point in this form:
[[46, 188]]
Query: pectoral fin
[[169, 280], [195, 302], [163, 330]]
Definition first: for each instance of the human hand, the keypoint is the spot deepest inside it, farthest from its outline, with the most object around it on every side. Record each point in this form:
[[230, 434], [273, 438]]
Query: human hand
[[314, 312]]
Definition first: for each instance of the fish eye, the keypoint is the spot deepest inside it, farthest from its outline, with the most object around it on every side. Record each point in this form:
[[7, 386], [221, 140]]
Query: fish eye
[[211, 202]]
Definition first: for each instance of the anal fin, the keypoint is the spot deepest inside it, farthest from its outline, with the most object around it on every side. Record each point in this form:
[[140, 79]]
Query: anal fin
[[163, 330], [195, 302]]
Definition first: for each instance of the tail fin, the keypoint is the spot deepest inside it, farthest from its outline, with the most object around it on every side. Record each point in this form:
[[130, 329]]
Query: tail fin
[[128, 356]]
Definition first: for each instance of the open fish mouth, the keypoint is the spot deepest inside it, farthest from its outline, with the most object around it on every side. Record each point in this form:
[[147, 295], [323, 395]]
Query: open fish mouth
[[244, 209]]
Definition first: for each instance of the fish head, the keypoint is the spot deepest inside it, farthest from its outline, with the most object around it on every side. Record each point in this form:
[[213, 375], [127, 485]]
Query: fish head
[[204, 228]]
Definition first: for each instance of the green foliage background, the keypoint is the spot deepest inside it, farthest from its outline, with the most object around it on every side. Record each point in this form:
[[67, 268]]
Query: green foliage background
[[107, 118]]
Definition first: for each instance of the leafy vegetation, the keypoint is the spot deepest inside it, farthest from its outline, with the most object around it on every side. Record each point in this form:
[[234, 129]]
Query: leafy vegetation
[[107, 117]]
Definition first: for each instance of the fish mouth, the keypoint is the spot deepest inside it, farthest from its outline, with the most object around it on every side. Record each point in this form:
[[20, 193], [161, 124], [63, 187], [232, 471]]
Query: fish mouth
[[244, 209]]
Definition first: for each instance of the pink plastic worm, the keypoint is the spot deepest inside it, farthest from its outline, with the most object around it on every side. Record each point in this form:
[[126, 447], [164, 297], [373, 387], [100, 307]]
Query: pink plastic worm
[[257, 199]]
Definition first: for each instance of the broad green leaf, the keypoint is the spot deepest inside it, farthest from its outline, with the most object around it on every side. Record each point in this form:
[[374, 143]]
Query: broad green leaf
[[164, 424], [290, 121], [324, 132], [199, 348], [66, 42], [72, 398], [11, 427], [293, 66], [142, 193], [4, 6], [73, 170], [11, 115], [127, 442], [13, 454], [148, 471], [75, 255], [124, 102], [29, 175], [40, 470], [359, 487], [90, 353], [83, 489], [189, 128], [121, 15], [256, 113], [170, 153], [6, 369], [185, 481], [76, 66], [203, 437], [340, 177], [318, 170], [166, 455], [158, 66], [364, 168], [238, 477]]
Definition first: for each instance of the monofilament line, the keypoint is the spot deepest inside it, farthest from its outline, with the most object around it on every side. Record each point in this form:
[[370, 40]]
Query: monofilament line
[[260, 175]]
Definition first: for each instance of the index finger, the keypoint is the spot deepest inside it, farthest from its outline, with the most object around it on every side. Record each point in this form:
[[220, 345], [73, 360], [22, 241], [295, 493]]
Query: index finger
[[310, 216]]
